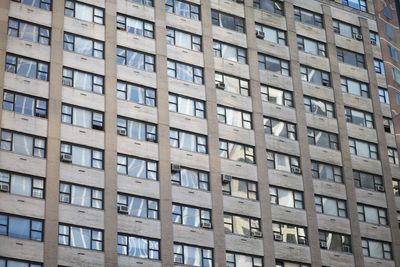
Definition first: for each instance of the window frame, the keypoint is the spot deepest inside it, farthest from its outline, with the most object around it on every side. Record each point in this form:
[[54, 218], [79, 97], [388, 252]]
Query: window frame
[[13, 62], [37, 191], [40, 112], [216, 20], [340, 211], [92, 197], [96, 18], [92, 238], [41, 37], [93, 151], [97, 81], [148, 63], [149, 94], [31, 230], [148, 200], [35, 148], [147, 26], [201, 147], [150, 173], [150, 251], [97, 46], [248, 157], [264, 60]]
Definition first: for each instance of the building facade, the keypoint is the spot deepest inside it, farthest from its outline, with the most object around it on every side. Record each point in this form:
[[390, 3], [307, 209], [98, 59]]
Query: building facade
[[200, 133]]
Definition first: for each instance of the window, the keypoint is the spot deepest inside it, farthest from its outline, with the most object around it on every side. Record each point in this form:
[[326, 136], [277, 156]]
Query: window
[[23, 144], [322, 139], [193, 255], [374, 39], [326, 172], [286, 197], [371, 214], [241, 225], [24, 104], [330, 206], [232, 84], [236, 260], [230, 52], [190, 178], [137, 167], [183, 8], [137, 246], [135, 59], [234, 117], [315, 76], [277, 96], [27, 67], [383, 95], [319, 107], [81, 117], [280, 263], [283, 162], [394, 53], [356, 4], [138, 206], [183, 39], [280, 128], [83, 45], [18, 263], [190, 216], [21, 184], [273, 64], [376, 249], [350, 57], [188, 141], [136, 93], [228, 21], [83, 80], [137, 130], [367, 180], [143, 2], [393, 156], [273, 6], [82, 156], [185, 72], [81, 195], [28, 31], [396, 74], [308, 17], [21, 227], [311, 46], [359, 117], [186, 105], [272, 34], [388, 125], [289, 233], [43, 4], [345, 29], [363, 149], [83, 11], [396, 186], [237, 152], [354, 87], [334, 241], [240, 188], [379, 66], [80, 237], [135, 26]]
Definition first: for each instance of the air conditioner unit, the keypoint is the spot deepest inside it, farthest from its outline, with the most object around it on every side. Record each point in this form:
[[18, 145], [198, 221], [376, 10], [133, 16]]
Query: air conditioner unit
[[325, 83], [151, 138], [357, 36], [97, 125], [240, 1], [4, 188], [206, 225], [175, 167], [66, 157], [221, 85], [64, 198], [278, 237], [346, 249], [256, 234], [336, 30], [120, 27], [260, 34], [302, 241], [380, 188], [295, 170], [121, 131], [373, 42], [323, 244], [40, 114], [226, 178], [37, 193], [122, 209]]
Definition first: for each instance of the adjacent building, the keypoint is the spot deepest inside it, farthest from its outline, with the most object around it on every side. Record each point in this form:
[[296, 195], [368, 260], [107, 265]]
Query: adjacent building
[[240, 133]]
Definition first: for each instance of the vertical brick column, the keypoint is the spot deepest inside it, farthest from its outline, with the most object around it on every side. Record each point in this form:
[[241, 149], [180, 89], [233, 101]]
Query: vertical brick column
[[4, 9]]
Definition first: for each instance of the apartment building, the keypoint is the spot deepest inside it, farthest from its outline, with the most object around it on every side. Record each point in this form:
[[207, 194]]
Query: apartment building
[[240, 133]]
